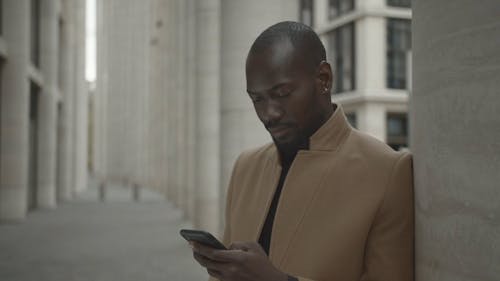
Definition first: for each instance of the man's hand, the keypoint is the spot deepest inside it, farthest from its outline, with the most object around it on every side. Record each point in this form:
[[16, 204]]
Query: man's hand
[[243, 261]]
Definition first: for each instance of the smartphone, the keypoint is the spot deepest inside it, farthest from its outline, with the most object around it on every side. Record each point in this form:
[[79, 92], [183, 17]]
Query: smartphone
[[202, 237]]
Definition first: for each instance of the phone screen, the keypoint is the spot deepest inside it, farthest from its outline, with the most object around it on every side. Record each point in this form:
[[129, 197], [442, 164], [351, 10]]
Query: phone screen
[[202, 237]]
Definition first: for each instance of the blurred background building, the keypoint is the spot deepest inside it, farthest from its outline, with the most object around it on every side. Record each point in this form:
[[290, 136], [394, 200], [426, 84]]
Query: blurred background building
[[171, 108], [168, 110], [43, 117], [369, 46]]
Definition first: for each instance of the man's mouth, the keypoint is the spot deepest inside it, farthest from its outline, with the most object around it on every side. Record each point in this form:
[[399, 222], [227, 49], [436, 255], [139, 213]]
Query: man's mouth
[[279, 131]]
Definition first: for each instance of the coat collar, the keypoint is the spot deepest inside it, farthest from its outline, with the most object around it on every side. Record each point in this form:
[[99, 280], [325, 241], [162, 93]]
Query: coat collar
[[331, 134], [328, 137]]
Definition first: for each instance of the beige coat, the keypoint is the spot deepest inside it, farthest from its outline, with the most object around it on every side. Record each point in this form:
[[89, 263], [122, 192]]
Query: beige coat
[[345, 212]]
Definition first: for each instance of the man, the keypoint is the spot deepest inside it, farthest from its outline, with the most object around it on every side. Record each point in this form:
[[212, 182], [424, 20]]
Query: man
[[323, 201]]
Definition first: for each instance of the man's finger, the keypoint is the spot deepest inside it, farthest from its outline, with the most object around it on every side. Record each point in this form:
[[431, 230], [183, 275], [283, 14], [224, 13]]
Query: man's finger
[[208, 263], [214, 273], [226, 256], [247, 247], [203, 250], [244, 246]]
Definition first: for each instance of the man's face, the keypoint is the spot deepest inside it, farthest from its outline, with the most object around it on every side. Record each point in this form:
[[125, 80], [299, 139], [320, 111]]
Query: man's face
[[284, 94]]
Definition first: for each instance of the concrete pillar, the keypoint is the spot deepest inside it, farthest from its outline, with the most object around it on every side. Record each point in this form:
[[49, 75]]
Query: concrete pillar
[[157, 122], [455, 139], [66, 56], [241, 128], [191, 100], [371, 119], [181, 93], [100, 123], [80, 102], [101, 106], [208, 116], [15, 112], [47, 107], [370, 62], [172, 104]]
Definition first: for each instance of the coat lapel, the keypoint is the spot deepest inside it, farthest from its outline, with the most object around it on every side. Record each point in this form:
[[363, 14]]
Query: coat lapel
[[299, 191], [304, 180], [265, 188]]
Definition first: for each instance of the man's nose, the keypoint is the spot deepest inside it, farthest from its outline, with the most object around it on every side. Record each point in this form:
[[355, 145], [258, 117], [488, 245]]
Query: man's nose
[[273, 113]]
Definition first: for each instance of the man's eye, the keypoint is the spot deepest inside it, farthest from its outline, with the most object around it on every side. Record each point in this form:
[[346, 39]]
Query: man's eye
[[256, 99], [283, 93]]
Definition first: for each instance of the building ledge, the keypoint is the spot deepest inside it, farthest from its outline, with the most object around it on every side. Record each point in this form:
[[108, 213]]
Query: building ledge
[[361, 97], [387, 12], [3, 48]]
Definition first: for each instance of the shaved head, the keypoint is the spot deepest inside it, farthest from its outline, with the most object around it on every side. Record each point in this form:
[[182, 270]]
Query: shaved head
[[289, 82], [306, 43]]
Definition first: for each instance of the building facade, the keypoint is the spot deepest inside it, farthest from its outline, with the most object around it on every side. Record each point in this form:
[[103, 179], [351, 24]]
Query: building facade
[[171, 108], [369, 47], [43, 104]]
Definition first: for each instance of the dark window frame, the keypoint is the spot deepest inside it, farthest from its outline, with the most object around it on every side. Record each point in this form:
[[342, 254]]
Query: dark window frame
[[338, 8], [1, 17], [398, 45], [35, 32], [399, 3], [306, 6], [339, 56], [399, 140]]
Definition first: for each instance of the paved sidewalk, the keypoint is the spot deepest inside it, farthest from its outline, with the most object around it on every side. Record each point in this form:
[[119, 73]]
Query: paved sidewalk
[[90, 240]]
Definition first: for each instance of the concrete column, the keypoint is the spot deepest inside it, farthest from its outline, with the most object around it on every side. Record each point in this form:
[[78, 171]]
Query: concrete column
[[80, 102], [455, 139], [208, 116], [157, 123], [240, 127], [65, 176], [370, 62], [181, 117], [100, 95], [15, 112], [320, 12], [172, 164], [191, 101], [372, 120], [47, 107]]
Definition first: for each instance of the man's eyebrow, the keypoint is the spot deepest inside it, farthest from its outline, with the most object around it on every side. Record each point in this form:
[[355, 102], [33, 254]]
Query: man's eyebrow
[[270, 89]]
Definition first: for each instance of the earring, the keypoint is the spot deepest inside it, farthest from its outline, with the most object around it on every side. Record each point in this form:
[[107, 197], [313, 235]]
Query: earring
[[326, 90]]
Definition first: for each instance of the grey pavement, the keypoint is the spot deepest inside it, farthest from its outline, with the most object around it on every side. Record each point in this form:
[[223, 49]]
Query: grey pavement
[[91, 240]]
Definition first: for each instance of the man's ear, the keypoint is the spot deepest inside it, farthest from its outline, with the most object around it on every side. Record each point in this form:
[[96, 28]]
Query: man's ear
[[324, 77]]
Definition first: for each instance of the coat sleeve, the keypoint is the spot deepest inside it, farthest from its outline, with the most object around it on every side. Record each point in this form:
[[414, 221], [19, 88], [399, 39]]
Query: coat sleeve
[[226, 239], [389, 252]]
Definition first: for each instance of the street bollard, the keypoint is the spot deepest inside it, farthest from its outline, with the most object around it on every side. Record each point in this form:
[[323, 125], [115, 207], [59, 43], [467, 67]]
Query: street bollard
[[135, 192], [102, 192]]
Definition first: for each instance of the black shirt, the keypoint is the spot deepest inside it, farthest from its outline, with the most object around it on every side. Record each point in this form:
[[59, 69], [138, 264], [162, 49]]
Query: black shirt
[[265, 235]]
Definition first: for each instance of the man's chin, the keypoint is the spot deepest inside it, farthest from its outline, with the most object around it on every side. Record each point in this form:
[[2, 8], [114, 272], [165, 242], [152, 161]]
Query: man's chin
[[287, 145]]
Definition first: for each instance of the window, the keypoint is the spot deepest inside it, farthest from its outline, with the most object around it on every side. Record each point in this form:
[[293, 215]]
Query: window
[[35, 32], [398, 44], [399, 3], [1, 17], [339, 7], [397, 130], [306, 12], [351, 118], [341, 54]]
